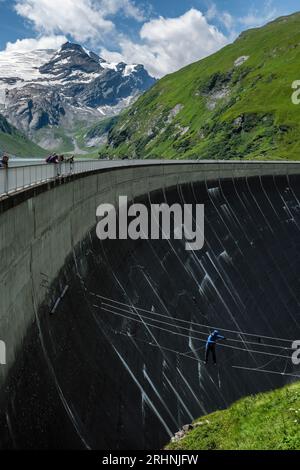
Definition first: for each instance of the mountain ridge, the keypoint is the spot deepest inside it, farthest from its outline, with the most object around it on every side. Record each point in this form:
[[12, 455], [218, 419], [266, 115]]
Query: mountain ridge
[[46, 90]]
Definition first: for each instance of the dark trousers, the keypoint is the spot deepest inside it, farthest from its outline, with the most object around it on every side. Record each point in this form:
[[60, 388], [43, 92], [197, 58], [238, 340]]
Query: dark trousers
[[210, 349]]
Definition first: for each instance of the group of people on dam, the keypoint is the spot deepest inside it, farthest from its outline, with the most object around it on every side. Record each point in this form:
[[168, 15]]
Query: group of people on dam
[[54, 158]]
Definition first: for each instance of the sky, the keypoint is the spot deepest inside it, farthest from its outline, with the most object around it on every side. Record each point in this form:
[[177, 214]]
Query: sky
[[163, 35]]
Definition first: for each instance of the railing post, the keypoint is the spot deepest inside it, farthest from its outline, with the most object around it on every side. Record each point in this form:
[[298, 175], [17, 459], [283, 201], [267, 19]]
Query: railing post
[[5, 180]]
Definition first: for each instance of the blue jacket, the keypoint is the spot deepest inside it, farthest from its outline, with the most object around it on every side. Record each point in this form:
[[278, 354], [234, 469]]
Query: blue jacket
[[213, 338]]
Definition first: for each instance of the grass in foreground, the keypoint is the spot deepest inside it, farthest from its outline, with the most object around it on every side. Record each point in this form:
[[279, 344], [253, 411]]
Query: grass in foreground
[[262, 422]]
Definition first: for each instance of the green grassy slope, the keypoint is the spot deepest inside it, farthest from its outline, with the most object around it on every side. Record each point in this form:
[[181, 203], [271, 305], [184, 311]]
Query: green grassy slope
[[101, 128], [15, 143], [261, 422], [54, 138], [77, 139], [215, 109]]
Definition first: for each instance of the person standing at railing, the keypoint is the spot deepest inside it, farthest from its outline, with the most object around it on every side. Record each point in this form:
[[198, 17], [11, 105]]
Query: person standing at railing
[[52, 158], [57, 160], [4, 165], [71, 161], [4, 161]]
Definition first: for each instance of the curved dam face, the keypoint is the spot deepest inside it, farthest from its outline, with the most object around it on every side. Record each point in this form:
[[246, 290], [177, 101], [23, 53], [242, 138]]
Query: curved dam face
[[105, 339]]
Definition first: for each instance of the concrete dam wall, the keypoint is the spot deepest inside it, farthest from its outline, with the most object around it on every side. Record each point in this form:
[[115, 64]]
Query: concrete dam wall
[[105, 340]]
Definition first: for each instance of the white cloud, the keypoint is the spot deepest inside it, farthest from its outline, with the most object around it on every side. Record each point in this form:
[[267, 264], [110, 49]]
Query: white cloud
[[26, 45], [129, 9], [255, 17], [77, 18], [165, 44], [84, 20], [223, 17], [170, 43], [227, 20]]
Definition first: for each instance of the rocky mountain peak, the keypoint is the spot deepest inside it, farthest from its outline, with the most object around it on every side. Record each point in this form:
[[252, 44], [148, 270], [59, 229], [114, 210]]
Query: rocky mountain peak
[[69, 59], [70, 46], [47, 89]]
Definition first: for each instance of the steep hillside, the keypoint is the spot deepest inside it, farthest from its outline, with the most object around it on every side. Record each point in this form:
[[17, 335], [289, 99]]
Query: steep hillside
[[268, 421], [95, 135], [15, 143], [233, 104]]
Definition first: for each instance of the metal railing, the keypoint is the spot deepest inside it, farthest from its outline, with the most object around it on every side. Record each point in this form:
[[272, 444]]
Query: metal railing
[[20, 177], [16, 178]]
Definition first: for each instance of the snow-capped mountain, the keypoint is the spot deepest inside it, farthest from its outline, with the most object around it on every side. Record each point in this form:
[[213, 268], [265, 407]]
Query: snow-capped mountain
[[46, 88]]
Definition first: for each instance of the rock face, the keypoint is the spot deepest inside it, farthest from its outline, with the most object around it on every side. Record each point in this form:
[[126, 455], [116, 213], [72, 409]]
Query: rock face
[[5, 127], [29, 108], [50, 88]]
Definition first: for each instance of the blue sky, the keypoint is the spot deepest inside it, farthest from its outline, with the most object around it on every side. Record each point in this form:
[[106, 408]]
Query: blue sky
[[164, 35]]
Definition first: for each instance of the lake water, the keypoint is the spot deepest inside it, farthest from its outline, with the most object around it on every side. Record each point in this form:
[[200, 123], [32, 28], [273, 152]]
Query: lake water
[[25, 161]]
